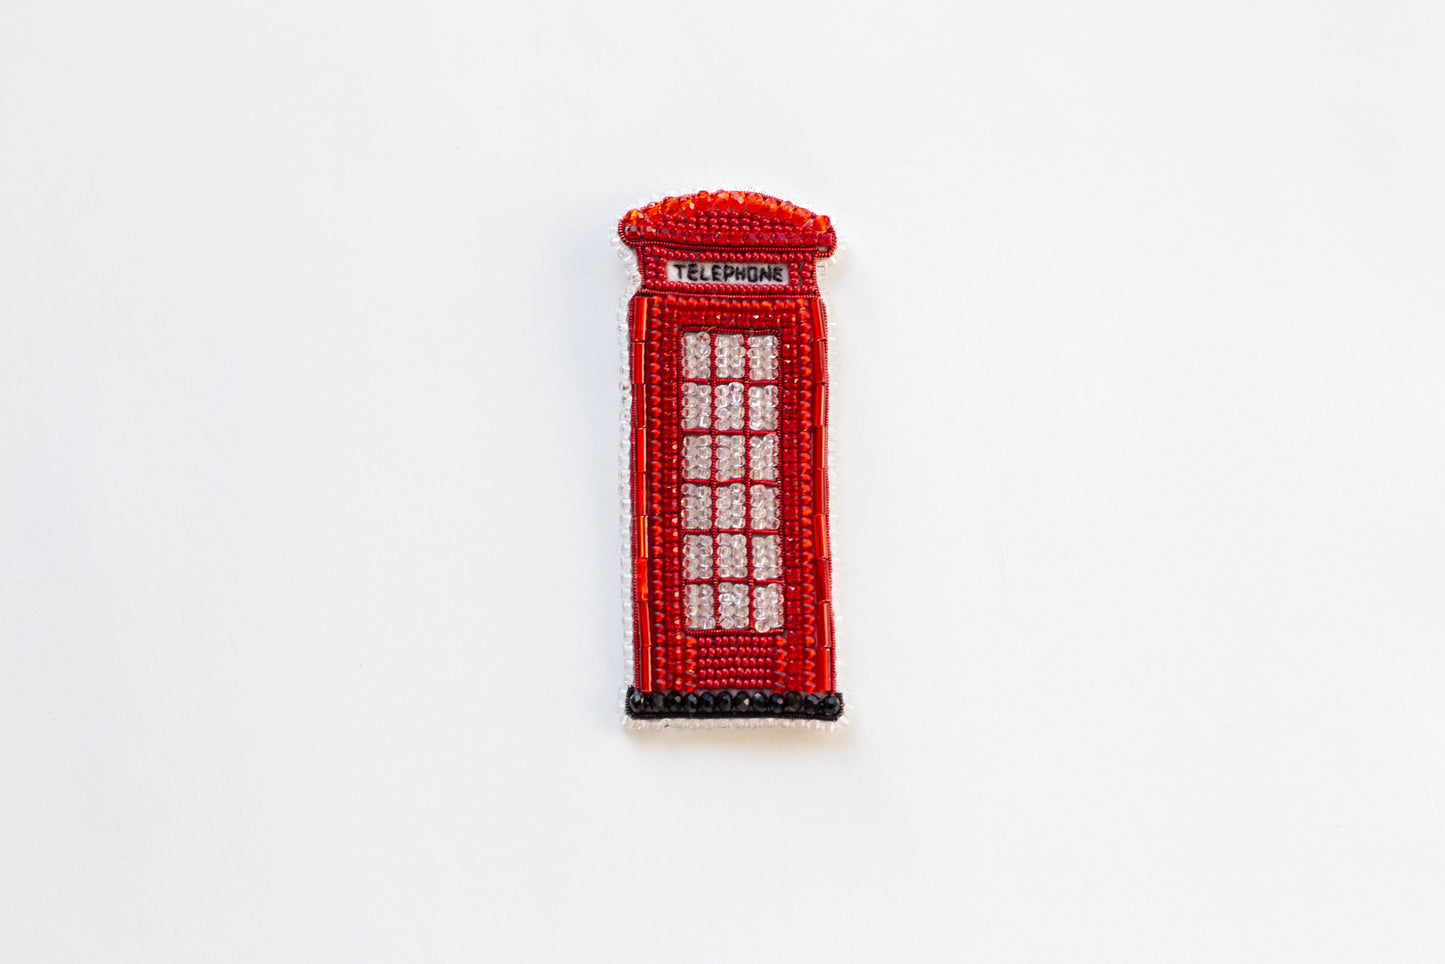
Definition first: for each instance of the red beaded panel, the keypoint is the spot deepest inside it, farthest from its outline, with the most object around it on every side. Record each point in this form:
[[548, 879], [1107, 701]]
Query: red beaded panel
[[706, 621], [679, 655]]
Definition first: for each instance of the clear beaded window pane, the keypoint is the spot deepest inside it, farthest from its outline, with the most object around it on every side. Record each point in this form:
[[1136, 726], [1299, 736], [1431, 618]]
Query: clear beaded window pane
[[732, 356], [730, 506], [696, 507], [732, 556], [697, 355], [763, 358], [765, 507], [764, 464], [696, 405], [730, 406], [767, 558], [697, 557], [699, 606], [730, 458], [768, 607], [732, 601], [697, 457], [762, 407]]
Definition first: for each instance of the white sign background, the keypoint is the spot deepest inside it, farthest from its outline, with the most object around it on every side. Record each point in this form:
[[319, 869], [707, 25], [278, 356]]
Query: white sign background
[[310, 588], [727, 272]]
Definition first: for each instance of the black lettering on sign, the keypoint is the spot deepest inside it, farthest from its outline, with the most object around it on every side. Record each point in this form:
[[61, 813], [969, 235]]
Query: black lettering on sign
[[727, 272]]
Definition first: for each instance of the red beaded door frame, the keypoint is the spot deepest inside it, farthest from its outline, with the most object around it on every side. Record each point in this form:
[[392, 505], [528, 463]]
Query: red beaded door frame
[[719, 673]]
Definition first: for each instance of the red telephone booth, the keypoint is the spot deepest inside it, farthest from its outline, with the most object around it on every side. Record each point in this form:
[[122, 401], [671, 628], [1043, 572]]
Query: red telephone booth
[[731, 564]]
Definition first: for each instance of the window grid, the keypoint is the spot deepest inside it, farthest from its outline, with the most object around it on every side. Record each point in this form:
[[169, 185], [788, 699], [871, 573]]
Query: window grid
[[733, 563]]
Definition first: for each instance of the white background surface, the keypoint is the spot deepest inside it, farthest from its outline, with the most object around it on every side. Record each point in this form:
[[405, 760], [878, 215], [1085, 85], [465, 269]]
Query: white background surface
[[309, 607]]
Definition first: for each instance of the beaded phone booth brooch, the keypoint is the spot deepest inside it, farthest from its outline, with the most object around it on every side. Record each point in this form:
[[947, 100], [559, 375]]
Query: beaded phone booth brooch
[[731, 585]]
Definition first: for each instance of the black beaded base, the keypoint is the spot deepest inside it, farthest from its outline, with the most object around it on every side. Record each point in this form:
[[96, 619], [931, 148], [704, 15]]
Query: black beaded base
[[733, 705]]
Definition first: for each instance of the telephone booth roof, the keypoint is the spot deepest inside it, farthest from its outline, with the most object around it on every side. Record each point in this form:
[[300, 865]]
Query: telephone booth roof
[[741, 219]]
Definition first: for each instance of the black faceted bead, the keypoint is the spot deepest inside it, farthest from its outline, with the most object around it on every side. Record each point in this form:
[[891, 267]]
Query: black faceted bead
[[724, 702], [830, 705], [658, 700], [792, 702], [706, 702], [760, 701], [636, 701], [777, 703], [690, 702], [674, 700], [812, 704], [742, 703]]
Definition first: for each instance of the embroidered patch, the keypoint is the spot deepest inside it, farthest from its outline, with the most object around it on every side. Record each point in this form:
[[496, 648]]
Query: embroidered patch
[[731, 567]]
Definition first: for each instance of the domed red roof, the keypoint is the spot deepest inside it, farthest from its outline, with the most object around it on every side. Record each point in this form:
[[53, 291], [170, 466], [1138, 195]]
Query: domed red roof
[[728, 219]]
